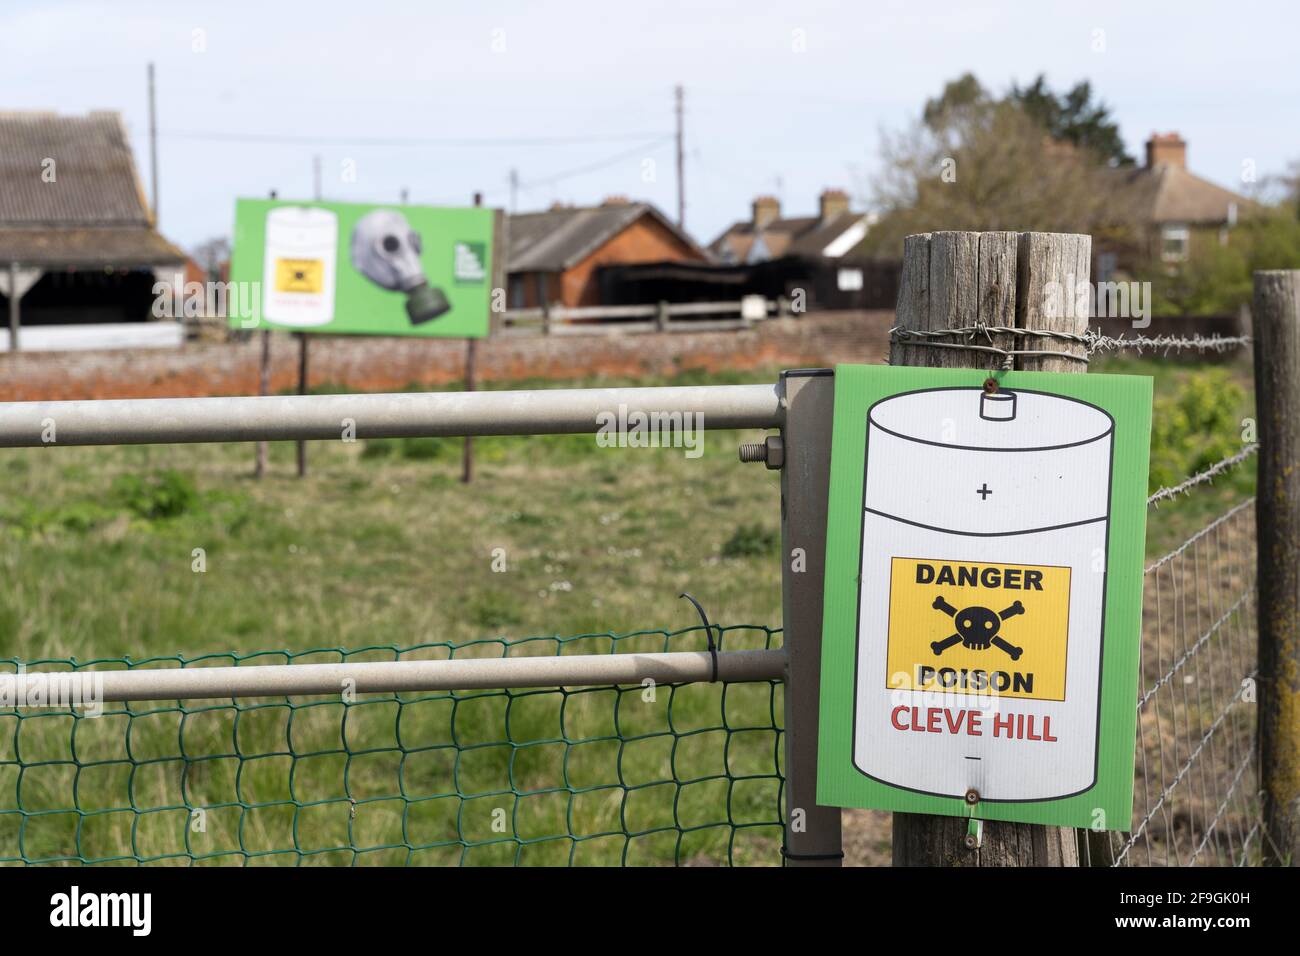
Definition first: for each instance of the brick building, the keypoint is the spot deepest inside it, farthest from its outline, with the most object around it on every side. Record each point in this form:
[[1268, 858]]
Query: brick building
[[555, 255], [1171, 209], [830, 234]]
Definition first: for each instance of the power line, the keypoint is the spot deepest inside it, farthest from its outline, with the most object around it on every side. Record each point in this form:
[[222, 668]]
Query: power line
[[517, 184], [305, 140], [593, 167]]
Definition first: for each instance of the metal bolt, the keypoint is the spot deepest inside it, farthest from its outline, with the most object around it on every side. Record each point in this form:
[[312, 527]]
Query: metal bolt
[[972, 796], [770, 451]]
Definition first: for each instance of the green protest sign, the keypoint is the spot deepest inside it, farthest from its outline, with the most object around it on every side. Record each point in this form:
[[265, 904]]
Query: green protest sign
[[983, 594], [365, 269]]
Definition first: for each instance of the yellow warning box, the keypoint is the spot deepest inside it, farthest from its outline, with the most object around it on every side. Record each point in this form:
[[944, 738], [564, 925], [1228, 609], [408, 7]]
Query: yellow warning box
[[966, 627], [299, 275]]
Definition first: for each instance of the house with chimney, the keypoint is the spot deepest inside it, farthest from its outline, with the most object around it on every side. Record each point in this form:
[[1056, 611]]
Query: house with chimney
[[1171, 209], [557, 257], [814, 255], [831, 234]]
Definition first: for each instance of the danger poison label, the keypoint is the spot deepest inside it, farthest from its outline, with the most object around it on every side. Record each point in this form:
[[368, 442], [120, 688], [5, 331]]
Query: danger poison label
[[969, 627]]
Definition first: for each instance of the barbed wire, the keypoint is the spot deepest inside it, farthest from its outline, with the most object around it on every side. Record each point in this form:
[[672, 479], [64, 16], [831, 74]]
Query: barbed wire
[[1091, 341], [1205, 343], [1200, 478], [927, 338]]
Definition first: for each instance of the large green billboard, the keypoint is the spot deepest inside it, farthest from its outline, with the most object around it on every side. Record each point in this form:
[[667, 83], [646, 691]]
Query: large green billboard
[[368, 269]]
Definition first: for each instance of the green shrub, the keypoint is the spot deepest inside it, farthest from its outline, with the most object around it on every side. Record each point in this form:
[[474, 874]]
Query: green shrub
[[423, 449], [494, 612], [163, 494], [412, 449], [379, 447], [749, 540], [1196, 427]]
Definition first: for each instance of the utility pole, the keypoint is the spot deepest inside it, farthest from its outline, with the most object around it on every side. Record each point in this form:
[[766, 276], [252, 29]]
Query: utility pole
[[302, 336], [514, 189], [263, 388], [681, 163], [153, 147]]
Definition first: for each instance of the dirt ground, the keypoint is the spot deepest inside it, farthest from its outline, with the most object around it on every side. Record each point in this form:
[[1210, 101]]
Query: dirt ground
[[866, 837]]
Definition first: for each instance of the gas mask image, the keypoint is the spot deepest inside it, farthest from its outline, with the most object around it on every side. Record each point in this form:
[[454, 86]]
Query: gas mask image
[[386, 250]]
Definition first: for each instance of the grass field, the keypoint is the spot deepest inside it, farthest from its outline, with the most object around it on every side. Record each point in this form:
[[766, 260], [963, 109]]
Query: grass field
[[174, 551]]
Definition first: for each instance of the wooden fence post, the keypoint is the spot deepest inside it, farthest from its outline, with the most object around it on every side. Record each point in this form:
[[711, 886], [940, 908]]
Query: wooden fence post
[[302, 390], [263, 388], [471, 383], [954, 280], [1277, 521]]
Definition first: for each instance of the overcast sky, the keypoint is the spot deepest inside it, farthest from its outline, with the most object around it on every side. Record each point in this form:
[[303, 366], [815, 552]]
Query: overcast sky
[[781, 97]]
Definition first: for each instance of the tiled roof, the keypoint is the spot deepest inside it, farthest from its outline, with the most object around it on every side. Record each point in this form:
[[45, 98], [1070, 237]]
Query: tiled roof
[[800, 235], [558, 239], [1166, 193], [97, 246], [70, 195], [92, 177]]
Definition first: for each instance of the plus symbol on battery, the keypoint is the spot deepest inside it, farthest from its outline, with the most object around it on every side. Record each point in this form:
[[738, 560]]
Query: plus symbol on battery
[[984, 492]]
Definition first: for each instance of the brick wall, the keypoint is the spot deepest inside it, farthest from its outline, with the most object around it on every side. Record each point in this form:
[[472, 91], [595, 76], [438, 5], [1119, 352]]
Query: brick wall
[[378, 364]]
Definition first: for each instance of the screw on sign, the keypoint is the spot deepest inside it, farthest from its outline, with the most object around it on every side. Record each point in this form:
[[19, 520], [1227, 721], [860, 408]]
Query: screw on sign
[[977, 628]]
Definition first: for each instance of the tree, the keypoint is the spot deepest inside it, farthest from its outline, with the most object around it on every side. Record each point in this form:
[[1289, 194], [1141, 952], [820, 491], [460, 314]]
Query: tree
[[972, 162], [211, 255], [1073, 118], [1217, 278], [960, 97]]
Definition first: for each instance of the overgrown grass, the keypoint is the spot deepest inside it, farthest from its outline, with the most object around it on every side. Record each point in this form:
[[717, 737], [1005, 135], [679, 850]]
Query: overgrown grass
[[139, 552], [174, 550], [1203, 413]]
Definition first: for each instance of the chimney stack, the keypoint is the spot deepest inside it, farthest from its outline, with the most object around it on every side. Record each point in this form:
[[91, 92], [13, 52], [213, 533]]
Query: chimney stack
[[1168, 149], [767, 210], [833, 202]]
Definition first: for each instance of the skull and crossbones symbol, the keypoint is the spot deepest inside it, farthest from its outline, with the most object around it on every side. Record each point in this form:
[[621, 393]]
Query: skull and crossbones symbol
[[977, 628]]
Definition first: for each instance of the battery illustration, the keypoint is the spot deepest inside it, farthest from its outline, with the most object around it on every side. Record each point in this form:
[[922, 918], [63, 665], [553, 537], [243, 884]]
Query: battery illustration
[[981, 603], [300, 264]]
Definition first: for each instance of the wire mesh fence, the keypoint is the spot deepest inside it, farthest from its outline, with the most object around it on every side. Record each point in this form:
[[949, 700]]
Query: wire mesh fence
[[1195, 793], [673, 774]]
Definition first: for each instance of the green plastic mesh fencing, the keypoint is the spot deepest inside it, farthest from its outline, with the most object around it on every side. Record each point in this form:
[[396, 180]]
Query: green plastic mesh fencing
[[674, 774]]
